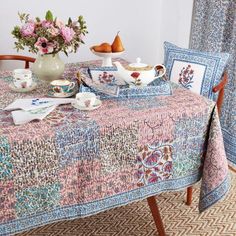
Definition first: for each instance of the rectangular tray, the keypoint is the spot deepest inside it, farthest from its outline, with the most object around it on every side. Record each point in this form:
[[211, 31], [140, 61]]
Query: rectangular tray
[[159, 88]]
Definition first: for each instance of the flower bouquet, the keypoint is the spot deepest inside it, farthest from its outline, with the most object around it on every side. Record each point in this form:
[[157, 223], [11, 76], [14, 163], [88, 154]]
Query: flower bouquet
[[48, 37]]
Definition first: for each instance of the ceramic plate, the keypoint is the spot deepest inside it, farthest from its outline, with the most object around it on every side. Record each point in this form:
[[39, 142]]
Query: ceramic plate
[[96, 105], [61, 95], [23, 90]]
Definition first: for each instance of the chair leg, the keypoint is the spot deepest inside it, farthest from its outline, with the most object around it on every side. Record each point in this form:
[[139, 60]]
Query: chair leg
[[232, 169], [156, 215], [189, 195]]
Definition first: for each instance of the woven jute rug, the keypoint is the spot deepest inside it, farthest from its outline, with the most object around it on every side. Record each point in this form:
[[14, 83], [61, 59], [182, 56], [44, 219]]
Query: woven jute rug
[[136, 220]]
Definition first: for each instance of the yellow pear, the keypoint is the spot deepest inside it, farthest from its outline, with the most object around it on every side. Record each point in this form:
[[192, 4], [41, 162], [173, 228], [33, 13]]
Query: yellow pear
[[117, 45]]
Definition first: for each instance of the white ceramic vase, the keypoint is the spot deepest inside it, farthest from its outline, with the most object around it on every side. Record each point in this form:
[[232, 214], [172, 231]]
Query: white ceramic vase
[[48, 67]]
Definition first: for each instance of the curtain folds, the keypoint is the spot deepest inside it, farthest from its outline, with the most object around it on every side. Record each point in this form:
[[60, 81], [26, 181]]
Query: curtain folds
[[214, 29]]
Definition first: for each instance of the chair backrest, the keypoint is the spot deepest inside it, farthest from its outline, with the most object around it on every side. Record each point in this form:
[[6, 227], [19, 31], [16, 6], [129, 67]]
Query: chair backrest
[[220, 88], [27, 60]]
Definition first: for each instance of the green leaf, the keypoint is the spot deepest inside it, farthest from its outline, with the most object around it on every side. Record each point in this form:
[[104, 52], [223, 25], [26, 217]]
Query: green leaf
[[37, 19], [49, 16], [66, 53], [69, 21]]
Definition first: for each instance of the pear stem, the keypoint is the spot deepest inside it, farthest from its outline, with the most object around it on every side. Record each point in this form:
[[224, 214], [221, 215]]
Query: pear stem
[[118, 32]]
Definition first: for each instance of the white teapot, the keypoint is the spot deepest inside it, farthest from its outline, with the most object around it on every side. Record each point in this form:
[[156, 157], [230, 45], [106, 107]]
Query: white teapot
[[139, 73]]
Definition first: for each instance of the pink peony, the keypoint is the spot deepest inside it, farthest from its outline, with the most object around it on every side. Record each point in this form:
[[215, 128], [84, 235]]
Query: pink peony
[[28, 29], [67, 34], [46, 24], [44, 46]]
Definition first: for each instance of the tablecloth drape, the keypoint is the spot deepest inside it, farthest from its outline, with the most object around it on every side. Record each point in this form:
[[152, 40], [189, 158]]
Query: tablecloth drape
[[74, 164]]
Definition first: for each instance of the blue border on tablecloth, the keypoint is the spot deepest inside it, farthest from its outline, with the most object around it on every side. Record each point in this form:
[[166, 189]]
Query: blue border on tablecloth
[[215, 195], [91, 208], [230, 146]]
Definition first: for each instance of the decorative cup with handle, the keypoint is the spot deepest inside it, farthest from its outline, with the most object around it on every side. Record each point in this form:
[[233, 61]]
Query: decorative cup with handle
[[85, 99], [22, 78], [62, 86]]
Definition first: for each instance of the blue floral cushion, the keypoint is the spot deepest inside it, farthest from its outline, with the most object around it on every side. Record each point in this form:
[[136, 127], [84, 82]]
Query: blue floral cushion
[[194, 70]]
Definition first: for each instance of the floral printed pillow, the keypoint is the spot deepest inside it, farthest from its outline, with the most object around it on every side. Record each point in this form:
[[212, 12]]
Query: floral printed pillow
[[194, 70]]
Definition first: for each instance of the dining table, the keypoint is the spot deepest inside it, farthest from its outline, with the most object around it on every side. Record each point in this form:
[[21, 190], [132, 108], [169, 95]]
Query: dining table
[[77, 163]]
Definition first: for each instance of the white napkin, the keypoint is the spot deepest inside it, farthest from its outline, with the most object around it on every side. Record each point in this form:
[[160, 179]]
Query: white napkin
[[27, 104], [34, 108], [22, 117]]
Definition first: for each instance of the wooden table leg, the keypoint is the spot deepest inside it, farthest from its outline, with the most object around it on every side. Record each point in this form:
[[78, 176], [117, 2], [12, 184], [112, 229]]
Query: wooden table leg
[[156, 215]]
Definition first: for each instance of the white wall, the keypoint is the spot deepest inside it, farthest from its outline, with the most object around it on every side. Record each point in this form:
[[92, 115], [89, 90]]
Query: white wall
[[143, 25]]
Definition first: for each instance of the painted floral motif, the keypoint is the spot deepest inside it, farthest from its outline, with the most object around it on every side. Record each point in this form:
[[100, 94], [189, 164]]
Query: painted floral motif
[[186, 77], [155, 164], [106, 78]]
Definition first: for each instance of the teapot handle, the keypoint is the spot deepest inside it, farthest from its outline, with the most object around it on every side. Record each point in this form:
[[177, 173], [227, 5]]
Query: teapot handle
[[160, 70]]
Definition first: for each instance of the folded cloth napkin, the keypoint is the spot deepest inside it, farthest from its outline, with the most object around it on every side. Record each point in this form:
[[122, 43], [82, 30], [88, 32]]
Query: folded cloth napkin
[[27, 109], [22, 117], [105, 76], [27, 104], [101, 79]]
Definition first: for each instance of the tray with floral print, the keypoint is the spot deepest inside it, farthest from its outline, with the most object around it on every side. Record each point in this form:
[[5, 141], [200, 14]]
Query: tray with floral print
[[116, 88]]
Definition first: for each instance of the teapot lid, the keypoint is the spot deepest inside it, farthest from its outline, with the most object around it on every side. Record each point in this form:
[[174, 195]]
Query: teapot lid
[[138, 63]]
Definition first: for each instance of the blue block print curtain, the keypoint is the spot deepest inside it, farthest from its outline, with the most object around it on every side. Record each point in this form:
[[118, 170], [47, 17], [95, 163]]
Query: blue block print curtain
[[214, 29]]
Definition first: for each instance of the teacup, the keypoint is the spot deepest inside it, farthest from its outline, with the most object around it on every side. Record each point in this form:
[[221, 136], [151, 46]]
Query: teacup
[[62, 86], [85, 99], [22, 78]]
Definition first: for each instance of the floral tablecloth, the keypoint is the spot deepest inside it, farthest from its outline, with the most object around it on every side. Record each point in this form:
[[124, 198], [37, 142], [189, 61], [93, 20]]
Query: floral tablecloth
[[74, 163]]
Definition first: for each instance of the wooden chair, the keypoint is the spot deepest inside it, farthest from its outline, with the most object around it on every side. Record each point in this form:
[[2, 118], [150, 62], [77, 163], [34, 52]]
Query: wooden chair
[[218, 88], [27, 60]]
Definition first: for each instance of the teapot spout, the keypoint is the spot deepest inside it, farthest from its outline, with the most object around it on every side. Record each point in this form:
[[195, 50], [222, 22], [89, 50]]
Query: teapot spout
[[119, 66], [121, 72]]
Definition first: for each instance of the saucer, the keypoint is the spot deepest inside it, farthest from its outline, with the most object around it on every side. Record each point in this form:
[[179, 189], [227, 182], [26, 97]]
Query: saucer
[[96, 105], [60, 95], [23, 90]]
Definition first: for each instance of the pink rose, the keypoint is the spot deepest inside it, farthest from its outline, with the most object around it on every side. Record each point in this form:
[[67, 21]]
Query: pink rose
[[53, 31], [67, 34], [28, 29], [59, 24]]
